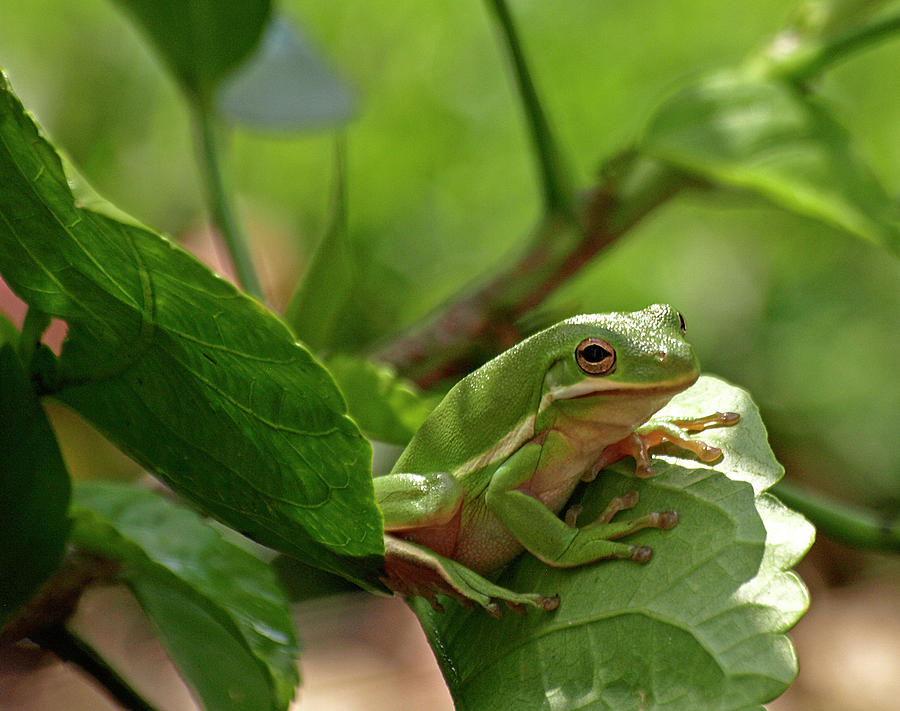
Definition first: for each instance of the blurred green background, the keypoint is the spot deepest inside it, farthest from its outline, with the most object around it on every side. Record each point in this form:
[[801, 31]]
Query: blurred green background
[[441, 186]]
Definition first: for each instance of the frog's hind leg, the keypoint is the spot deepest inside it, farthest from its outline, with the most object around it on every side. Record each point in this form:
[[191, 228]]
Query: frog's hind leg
[[413, 569], [551, 540], [424, 509]]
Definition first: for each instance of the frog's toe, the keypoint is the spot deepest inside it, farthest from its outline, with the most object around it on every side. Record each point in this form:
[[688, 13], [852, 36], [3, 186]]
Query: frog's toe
[[572, 514], [516, 607], [667, 520], [620, 503], [548, 603], [641, 554]]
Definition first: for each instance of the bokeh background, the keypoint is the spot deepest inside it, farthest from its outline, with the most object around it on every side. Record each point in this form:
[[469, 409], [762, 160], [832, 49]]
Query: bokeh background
[[441, 189]]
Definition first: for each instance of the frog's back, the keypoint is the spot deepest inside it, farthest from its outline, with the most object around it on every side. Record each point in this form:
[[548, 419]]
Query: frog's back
[[480, 414]]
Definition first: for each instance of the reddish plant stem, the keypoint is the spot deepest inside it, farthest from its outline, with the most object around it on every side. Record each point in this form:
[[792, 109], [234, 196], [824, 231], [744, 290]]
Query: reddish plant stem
[[484, 320]]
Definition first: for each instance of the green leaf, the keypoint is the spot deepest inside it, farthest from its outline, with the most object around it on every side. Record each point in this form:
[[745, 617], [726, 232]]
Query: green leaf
[[201, 41], [286, 85], [195, 380], [34, 490], [87, 197], [699, 626], [766, 136], [385, 406], [219, 610], [318, 304], [303, 582], [8, 332]]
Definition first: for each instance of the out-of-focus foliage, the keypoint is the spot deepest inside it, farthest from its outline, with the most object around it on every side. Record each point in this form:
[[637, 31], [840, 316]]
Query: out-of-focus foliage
[[201, 41], [285, 85], [768, 137]]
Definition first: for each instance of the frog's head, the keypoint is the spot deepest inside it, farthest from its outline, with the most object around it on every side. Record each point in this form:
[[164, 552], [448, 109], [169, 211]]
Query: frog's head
[[620, 354]]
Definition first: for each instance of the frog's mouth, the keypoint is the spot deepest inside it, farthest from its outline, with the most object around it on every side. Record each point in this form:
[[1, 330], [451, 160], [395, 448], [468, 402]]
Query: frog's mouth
[[608, 388]]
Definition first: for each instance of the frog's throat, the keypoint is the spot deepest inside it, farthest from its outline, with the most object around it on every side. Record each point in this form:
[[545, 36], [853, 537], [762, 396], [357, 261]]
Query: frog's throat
[[586, 388]]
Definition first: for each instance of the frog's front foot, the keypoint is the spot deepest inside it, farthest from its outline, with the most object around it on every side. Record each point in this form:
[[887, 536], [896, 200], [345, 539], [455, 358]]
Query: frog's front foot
[[412, 569], [639, 443]]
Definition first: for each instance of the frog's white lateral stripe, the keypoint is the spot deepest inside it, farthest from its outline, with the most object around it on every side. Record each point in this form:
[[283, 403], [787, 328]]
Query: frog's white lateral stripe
[[598, 386], [502, 449], [510, 443]]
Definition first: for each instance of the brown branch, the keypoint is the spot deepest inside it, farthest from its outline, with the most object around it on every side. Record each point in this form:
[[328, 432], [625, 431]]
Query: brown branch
[[55, 601], [484, 320]]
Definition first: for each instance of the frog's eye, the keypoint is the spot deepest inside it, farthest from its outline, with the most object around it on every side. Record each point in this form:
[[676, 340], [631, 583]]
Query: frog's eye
[[595, 356], [682, 323]]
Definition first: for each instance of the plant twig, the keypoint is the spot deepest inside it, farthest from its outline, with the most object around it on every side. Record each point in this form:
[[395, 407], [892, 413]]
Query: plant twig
[[219, 203], [804, 59], [71, 648], [559, 196], [482, 321], [36, 322], [847, 524]]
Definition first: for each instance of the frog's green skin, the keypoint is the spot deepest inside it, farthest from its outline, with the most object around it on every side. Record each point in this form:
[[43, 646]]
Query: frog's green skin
[[495, 462]]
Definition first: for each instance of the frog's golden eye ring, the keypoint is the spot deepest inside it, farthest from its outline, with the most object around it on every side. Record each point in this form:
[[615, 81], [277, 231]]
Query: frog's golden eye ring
[[682, 323], [595, 356]]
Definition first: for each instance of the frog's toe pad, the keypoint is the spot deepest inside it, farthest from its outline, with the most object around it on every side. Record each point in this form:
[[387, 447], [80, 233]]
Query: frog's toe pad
[[641, 554], [667, 520]]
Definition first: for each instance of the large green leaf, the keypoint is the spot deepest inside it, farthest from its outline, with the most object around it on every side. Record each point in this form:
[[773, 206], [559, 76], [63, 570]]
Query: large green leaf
[[219, 609], [201, 40], [700, 626], [746, 131], [34, 489], [192, 378]]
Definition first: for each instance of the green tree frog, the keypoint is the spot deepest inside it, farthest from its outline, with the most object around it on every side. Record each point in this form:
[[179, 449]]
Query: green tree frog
[[496, 461]]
